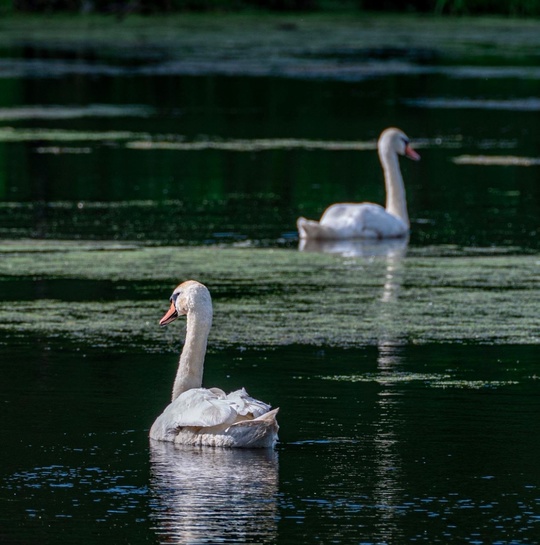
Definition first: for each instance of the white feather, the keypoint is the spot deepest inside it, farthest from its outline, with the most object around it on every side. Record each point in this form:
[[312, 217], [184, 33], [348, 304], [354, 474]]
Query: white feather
[[200, 416], [342, 221]]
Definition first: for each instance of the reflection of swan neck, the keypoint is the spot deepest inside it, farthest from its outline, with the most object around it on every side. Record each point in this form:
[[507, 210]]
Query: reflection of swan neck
[[392, 280], [396, 202], [191, 365]]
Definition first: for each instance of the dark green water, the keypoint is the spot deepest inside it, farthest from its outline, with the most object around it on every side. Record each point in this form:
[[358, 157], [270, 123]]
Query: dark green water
[[429, 444], [90, 162], [406, 374]]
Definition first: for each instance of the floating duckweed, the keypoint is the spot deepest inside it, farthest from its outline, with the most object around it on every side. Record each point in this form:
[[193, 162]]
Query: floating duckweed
[[434, 380], [497, 160], [10, 134], [388, 378], [72, 112], [473, 384], [308, 298], [176, 144]]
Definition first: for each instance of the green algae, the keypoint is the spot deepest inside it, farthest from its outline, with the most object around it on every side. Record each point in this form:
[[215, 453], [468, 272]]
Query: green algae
[[497, 160], [176, 143], [10, 134], [273, 297], [433, 380], [295, 40]]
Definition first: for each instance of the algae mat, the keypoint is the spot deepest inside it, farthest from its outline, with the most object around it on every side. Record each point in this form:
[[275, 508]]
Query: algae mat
[[113, 294], [289, 44]]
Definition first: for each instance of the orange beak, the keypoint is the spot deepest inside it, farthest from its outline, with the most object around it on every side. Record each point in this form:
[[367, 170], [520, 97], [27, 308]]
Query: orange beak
[[170, 316], [411, 154]]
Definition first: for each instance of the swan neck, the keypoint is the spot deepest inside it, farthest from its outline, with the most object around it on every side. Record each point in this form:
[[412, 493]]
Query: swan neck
[[396, 201], [191, 365]]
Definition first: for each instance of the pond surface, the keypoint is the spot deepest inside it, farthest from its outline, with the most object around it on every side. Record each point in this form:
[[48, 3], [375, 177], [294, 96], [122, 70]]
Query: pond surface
[[406, 372]]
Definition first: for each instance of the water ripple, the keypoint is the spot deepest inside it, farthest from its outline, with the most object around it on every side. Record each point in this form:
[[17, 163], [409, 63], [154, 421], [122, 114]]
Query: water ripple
[[231, 500]]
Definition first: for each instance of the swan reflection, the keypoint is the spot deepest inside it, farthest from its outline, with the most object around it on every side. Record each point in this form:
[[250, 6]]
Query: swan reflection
[[395, 247], [389, 487], [213, 495]]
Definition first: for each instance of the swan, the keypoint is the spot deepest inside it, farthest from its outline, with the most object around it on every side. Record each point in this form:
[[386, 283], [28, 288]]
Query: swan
[[368, 220], [200, 416]]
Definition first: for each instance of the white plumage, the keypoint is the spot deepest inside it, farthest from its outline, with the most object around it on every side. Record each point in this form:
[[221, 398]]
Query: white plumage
[[200, 416], [369, 220]]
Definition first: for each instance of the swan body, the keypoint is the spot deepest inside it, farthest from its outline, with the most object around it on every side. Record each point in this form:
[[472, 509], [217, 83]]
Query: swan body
[[200, 416], [369, 220]]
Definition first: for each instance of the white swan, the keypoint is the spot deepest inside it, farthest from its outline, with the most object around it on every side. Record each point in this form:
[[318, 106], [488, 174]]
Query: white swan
[[197, 416], [368, 220]]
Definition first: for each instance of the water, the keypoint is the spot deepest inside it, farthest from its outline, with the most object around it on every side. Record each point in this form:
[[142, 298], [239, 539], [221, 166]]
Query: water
[[406, 373], [380, 444]]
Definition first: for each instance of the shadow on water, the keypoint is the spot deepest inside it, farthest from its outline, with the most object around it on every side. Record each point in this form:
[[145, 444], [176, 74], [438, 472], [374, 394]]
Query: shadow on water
[[213, 495]]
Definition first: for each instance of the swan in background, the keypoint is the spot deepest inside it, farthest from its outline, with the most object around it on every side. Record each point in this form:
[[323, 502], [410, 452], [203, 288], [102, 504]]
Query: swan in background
[[200, 416], [369, 220]]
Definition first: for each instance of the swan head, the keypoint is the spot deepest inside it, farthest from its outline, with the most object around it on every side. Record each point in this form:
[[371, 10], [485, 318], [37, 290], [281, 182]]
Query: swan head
[[394, 140], [189, 296]]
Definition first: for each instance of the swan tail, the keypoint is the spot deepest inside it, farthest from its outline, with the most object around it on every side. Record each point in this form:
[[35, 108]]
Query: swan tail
[[304, 227], [310, 229], [261, 432]]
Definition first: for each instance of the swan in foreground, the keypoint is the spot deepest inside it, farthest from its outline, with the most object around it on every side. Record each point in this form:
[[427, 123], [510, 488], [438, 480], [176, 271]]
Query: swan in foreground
[[369, 220], [200, 416]]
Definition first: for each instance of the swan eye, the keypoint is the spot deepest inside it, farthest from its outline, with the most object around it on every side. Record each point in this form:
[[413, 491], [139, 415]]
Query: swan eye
[[174, 297]]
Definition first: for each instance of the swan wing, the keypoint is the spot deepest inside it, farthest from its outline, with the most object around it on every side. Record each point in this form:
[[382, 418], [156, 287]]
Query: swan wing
[[200, 407], [346, 214], [207, 412], [195, 408], [245, 405], [362, 220]]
